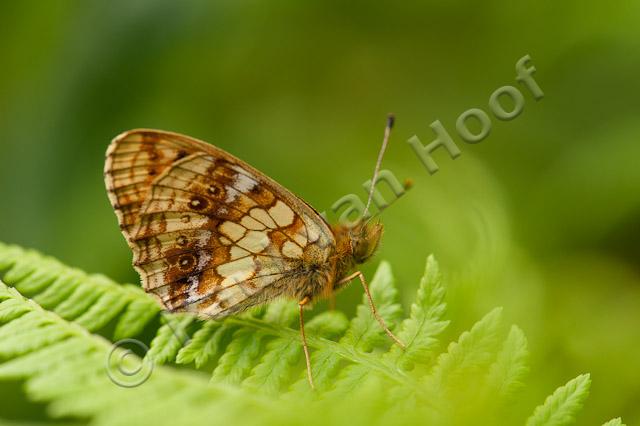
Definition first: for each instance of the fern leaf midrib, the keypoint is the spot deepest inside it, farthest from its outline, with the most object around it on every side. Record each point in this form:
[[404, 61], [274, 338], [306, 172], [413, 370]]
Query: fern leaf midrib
[[344, 351]]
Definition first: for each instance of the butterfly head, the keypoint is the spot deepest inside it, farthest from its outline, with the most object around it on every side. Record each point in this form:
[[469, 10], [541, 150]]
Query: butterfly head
[[364, 239]]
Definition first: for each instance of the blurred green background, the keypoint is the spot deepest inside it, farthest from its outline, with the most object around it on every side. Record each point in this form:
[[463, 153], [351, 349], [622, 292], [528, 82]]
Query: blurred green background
[[542, 217]]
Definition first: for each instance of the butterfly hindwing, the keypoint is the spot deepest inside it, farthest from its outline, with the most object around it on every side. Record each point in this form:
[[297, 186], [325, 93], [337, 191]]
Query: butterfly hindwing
[[211, 234]]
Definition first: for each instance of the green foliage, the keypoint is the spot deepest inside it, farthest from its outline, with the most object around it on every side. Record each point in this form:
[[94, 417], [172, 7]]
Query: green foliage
[[614, 422], [561, 407], [223, 372], [506, 373], [419, 332], [92, 301]]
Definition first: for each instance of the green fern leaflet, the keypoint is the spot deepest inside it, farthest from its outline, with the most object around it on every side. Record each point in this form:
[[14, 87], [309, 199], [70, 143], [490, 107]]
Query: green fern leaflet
[[58, 327]]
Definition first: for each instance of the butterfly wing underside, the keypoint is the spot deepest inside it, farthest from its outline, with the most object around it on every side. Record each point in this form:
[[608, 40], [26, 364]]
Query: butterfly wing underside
[[209, 233]]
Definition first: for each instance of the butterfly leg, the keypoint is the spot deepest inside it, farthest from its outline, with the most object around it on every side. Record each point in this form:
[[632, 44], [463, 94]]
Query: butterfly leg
[[360, 275], [332, 302], [305, 347]]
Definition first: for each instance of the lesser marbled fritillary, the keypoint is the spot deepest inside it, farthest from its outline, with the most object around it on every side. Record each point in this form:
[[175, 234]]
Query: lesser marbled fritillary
[[213, 236]]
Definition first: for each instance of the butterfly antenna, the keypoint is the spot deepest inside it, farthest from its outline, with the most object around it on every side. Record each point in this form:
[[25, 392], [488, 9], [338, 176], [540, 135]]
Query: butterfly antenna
[[387, 132]]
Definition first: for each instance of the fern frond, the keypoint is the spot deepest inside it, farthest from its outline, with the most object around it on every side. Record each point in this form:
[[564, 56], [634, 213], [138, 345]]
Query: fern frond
[[253, 363], [170, 338], [506, 374], [472, 352], [92, 301], [204, 345], [614, 422], [419, 332], [246, 345], [138, 314], [561, 407], [69, 372], [276, 366]]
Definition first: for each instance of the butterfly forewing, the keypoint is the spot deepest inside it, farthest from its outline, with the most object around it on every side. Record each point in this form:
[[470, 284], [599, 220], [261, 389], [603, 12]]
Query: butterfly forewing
[[210, 234], [134, 159]]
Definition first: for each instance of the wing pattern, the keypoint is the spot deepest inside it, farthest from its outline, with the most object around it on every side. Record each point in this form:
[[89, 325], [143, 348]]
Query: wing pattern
[[209, 233]]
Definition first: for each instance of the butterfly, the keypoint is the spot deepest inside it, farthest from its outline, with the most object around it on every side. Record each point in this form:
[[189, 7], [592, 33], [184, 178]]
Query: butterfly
[[213, 236]]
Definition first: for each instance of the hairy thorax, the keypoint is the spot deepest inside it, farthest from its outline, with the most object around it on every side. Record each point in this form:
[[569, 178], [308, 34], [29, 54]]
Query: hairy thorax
[[354, 245]]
